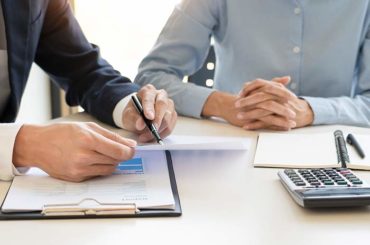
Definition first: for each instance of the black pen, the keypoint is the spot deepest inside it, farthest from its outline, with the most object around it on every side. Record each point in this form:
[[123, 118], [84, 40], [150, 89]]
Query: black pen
[[148, 122], [342, 153], [352, 141]]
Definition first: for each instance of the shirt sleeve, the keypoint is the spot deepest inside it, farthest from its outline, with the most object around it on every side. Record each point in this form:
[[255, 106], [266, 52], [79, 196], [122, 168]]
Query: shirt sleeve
[[181, 50], [8, 133], [118, 111], [353, 110]]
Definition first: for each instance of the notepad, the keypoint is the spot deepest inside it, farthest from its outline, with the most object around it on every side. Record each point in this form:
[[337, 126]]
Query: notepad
[[318, 150]]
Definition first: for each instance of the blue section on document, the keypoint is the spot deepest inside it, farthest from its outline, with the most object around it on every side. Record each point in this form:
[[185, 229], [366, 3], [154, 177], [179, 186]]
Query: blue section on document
[[133, 166]]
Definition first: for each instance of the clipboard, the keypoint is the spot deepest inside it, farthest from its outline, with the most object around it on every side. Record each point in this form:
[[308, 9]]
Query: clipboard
[[102, 210]]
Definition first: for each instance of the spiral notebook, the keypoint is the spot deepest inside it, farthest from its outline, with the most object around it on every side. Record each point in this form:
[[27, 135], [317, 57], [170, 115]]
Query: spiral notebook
[[318, 150]]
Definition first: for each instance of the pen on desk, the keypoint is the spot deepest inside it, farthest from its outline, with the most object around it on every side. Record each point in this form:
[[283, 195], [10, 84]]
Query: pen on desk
[[148, 122], [352, 141], [342, 153]]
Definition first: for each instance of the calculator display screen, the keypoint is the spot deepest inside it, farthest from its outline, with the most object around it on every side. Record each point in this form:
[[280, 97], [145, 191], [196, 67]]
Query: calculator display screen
[[326, 192]]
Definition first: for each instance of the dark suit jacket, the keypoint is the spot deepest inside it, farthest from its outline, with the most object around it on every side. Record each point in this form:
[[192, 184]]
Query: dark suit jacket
[[46, 32]]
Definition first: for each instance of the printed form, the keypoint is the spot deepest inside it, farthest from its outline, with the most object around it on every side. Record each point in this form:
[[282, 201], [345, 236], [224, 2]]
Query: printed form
[[144, 180]]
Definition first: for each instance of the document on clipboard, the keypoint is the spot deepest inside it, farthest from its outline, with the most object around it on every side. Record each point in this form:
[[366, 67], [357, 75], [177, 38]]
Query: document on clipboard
[[142, 186]]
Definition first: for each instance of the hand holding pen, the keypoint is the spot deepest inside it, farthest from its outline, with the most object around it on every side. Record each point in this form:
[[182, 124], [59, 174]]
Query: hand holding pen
[[157, 108]]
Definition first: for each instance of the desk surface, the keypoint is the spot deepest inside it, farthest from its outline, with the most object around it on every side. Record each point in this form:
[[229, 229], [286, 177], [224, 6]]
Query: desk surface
[[227, 202]]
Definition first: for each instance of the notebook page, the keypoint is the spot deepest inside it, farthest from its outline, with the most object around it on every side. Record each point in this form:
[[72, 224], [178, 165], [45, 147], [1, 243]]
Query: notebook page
[[296, 150]]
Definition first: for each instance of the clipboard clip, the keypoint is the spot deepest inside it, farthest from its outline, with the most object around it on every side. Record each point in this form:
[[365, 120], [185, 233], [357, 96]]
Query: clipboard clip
[[89, 207]]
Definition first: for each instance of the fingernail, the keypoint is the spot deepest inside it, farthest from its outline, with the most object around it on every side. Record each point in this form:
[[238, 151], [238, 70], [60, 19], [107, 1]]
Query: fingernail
[[292, 124], [131, 143], [151, 114], [237, 104], [246, 127]]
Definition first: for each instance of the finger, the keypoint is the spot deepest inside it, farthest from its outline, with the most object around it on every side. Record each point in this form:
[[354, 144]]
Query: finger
[[147, 95], [111, 148], [256, 98], [278, 121], [277, 108], [112, 136], [283, 80], [262, 125], [279, 90], [161, 106], [166, 127], [255, 125], [171, 119], [253, 85], [253, 114], [100, 170], [92, 157]]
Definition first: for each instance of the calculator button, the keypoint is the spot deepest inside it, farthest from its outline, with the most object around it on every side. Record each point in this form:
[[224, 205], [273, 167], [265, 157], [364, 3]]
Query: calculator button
[[342, 182], [315, 183], [296, 179], [300, 183], [337, 179], [303, 171], [357, 182], [328, 182]]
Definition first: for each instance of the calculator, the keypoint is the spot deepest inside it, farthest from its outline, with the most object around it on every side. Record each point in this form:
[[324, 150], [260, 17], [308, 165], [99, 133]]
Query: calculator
[[325, 187]]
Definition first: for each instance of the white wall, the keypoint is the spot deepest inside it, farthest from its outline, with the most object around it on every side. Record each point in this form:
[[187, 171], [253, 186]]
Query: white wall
[[35, 106], [125, 30]]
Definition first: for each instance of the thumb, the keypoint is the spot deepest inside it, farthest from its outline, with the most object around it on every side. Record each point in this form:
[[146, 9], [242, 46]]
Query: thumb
[[283, 80]]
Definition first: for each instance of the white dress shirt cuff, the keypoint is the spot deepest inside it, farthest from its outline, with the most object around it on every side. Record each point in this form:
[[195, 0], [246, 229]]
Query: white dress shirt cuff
[[8, 133], [118, 111]]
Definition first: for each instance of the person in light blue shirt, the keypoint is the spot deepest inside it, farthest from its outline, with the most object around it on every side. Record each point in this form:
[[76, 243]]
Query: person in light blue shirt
[[280, 64]]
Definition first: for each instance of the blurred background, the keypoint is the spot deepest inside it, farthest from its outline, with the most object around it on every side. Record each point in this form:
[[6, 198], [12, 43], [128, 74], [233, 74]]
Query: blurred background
[[125, 30]]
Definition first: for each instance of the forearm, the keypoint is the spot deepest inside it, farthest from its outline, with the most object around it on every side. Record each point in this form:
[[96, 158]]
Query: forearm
[[218, 104], [189, 99], [341, 110]]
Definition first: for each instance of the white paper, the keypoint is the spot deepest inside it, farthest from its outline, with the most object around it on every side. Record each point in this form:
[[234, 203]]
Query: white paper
[[149, 188], [176, 142], [296, 150]]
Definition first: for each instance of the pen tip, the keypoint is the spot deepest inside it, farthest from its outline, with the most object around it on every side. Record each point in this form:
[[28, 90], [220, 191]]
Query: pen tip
[[160, 142]]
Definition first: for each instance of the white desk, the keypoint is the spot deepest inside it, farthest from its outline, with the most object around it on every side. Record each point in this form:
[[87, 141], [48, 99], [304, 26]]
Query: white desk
[[260, 211]]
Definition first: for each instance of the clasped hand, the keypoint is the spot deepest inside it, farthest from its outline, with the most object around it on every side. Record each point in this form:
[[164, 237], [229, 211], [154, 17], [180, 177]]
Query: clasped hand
[[263, 104]]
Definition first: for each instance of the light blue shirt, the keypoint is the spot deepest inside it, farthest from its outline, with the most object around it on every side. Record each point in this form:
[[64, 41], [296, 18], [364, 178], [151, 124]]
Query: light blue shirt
[[324, 45]]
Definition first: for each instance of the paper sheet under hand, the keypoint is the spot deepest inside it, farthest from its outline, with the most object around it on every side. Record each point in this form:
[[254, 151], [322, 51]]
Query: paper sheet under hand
[[176, 142]]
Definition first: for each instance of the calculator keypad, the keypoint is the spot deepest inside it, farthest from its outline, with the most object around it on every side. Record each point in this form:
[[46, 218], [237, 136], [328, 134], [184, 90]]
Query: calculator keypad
[[323, 177]]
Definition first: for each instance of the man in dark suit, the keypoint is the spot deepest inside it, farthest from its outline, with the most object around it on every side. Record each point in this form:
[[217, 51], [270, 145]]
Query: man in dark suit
[[46, 32]]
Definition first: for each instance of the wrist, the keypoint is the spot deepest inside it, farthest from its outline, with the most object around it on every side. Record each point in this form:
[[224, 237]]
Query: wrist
[[307, 114], [217, 104], [25, 146]]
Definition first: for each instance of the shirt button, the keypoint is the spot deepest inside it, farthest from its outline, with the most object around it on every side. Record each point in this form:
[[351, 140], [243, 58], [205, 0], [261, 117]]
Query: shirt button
[[296, 50], [293, 86], [297, 11]]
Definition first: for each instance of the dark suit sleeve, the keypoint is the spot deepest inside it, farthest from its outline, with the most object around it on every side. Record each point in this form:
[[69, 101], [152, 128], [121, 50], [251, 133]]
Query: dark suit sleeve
[[75, 64]]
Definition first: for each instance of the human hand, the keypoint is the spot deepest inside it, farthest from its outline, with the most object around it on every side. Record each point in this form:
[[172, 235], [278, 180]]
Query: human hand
[[269, 104], [222, 105], [157, 107], [71, 151]]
